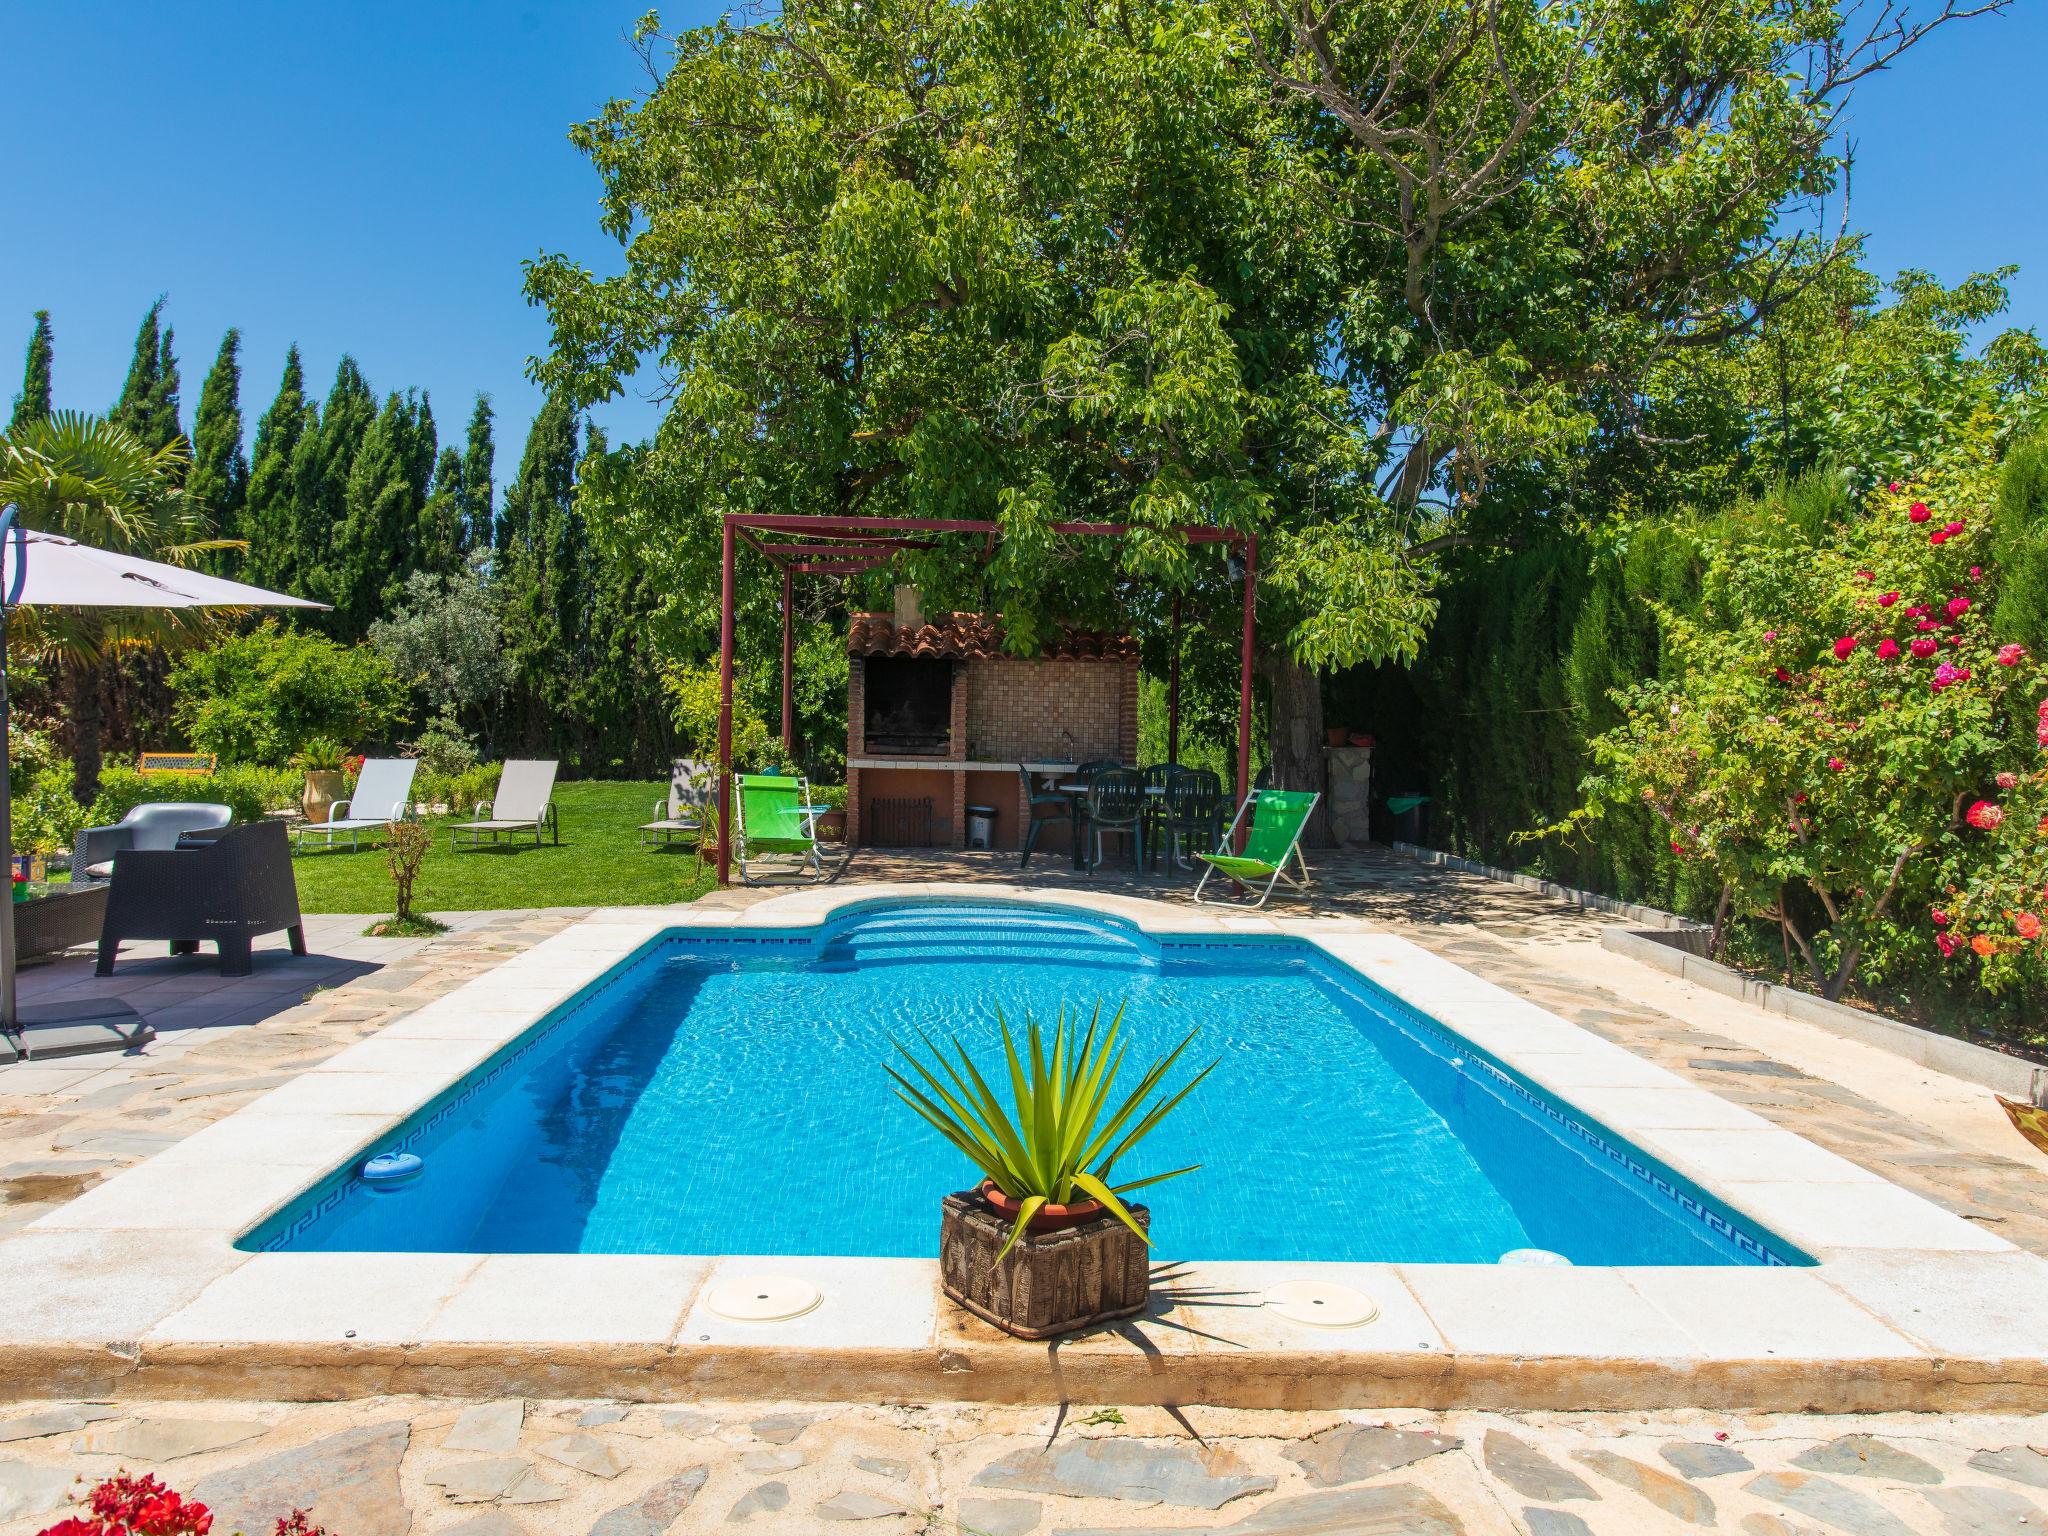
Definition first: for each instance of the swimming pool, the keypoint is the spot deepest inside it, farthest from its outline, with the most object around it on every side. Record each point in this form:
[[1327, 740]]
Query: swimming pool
[[722, 1093]]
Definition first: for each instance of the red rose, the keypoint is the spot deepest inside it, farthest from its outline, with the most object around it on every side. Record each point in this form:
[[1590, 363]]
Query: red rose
[[1918, 512], [1887, 648], [1844, 646]]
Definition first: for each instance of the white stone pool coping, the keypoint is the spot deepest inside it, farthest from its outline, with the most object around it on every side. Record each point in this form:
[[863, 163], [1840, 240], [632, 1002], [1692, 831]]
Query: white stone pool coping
[[136, 1285]]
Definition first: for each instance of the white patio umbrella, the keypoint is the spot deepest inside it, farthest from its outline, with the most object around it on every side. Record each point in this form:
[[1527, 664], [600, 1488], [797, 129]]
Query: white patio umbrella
[[46, 570]]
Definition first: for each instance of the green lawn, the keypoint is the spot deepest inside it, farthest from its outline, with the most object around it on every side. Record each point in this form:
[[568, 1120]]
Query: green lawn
[[600, 864]]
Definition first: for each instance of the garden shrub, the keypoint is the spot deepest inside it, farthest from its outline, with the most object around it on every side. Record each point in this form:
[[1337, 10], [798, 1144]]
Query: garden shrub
[[249, 790], [46, 816], [261, 696], [458, 791], [1828, 725], [693, 696]]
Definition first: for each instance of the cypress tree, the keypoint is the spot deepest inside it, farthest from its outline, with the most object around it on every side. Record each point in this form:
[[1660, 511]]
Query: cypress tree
[[383, 500], [269, 510], [444, 530], [546, 482], [219, 478], [478, 496], [139, 389], [33, 403], [320, 473], [148, 406]]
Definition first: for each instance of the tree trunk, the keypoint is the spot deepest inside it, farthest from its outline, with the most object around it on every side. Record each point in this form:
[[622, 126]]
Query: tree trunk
[[1297, 739], [82, 704]]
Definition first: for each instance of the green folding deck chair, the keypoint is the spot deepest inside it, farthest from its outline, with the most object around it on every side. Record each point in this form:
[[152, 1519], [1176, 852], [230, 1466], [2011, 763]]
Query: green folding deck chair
[[1278, 817], [772, 815]]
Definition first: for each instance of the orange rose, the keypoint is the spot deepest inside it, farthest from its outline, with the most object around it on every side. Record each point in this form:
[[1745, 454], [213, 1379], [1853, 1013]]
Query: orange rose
[[1983, 946]]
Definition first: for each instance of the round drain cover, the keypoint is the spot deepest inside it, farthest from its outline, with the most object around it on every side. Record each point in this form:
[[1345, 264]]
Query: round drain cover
[[764, 1298], [1536, 1258], [1321, 1304]]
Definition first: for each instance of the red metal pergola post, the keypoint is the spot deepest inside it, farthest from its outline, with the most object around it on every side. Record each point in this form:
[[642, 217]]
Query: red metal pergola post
[[725, 708], [788, 653], [1244, 670], [1173, 691]]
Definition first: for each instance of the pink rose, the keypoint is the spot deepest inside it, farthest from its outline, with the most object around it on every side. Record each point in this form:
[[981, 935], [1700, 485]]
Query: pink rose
[[1954, 528], [1945, 676], [1939, 917], [1843, 647], [2008, 780], [1985, 816], [1837, 764], [1976, 571], [1918, 512], [1945, 944], [1887, 649], [1893, 487], [1917, 611], [1886, 599], [1770, 634], [1923, 648], [2009, 655]]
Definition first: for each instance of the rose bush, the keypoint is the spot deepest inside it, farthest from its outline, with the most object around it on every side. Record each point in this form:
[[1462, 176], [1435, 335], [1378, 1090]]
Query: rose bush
[[1829, 736]]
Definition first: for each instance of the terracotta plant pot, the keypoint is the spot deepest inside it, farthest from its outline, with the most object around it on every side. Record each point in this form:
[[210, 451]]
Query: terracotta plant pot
[[1335, 735], [832, 826], [1047, 1218], [324, 786]]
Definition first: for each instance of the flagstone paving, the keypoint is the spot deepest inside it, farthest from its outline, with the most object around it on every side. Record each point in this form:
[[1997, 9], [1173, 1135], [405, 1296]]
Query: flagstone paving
[[386, 1467]]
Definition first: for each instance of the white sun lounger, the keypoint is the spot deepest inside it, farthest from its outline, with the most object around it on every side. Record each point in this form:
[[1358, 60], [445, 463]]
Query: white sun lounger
[[525, 803], [383, 794]]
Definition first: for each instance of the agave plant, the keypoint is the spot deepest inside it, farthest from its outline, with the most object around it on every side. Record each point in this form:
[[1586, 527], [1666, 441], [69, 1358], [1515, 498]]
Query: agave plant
[[1060, 1134]]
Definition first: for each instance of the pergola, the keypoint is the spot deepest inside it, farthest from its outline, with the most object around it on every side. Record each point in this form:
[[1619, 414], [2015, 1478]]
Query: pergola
[[849, 546]]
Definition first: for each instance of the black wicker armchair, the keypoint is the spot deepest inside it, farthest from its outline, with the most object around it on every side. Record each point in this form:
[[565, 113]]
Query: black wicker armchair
[[225, 886]]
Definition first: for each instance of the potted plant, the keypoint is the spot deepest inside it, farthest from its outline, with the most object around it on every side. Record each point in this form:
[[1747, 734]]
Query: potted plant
[[322, 760], [831, 824], [1046, 1244]]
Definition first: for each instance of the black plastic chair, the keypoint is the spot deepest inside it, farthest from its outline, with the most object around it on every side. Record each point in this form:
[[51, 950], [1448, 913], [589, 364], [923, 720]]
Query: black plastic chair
[[226, 886], [1116, 804], [1042, 807], [1193, 815]]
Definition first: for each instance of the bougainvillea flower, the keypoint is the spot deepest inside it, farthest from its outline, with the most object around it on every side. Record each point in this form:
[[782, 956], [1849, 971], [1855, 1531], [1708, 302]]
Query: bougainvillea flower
[[1886, 599], [2008, 780], [2027, 925], [1985, 816], [1918, 512], [2009, 655], [1923, 648], [1958, 606], [1983, 946], [1887, 649], [1844, 646]]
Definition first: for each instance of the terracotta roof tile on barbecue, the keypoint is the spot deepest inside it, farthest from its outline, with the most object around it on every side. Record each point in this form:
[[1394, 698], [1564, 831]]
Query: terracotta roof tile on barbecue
[[972, 636]]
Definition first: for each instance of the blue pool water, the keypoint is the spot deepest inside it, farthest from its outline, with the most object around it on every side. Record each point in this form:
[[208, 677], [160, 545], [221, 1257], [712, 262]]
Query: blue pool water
[[724, 1094]]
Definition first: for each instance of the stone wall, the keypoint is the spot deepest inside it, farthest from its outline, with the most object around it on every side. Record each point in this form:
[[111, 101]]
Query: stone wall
[[1022, 710]]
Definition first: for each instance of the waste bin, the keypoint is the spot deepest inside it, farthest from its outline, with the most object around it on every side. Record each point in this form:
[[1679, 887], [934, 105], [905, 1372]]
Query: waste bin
[[981, 826], [1411, 818]]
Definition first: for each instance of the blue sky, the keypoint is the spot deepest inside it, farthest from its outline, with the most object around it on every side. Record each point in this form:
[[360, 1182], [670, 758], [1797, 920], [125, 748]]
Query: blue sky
[[367, 177]]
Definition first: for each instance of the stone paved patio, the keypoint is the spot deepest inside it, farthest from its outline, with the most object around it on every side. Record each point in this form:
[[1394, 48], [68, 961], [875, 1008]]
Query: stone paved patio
[[390, 1466], [396, 1466]]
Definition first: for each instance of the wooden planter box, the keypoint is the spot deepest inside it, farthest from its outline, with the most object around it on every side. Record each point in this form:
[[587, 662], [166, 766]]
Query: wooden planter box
[[1050, 1283]]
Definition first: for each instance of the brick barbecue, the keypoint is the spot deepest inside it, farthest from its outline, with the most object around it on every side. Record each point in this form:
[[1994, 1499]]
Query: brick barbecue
[[936, 709]]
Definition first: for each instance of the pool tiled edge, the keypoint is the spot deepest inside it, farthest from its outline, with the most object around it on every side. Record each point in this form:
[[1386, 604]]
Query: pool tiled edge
[[137, 1282]]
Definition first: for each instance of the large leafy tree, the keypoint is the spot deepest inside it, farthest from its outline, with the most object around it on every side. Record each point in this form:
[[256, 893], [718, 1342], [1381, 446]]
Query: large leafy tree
[[1367, 280], [1028, 260], [33, 403], [219, 480]]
